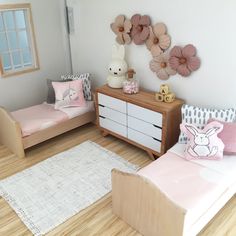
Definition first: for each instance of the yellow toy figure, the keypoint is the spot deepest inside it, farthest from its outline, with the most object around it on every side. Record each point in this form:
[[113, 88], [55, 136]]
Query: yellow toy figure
[[165, 95]]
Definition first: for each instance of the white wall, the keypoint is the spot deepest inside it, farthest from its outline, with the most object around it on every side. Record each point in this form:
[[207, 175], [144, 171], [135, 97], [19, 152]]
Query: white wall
[[209, 25], [28, 89]]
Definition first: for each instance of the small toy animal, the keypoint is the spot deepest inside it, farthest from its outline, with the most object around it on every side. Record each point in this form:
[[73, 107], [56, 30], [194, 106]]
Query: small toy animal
[[201, 140], [117, 67]]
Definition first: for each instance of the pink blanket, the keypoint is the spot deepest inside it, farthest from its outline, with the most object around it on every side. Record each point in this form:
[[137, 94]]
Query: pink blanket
[[191, 186], [39, 117]]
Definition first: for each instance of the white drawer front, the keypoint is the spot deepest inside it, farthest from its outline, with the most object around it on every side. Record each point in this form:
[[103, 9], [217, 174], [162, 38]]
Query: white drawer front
[[113, 115], [144, 140], [112, 103], [113, 126], [145, 114], [144, 127]]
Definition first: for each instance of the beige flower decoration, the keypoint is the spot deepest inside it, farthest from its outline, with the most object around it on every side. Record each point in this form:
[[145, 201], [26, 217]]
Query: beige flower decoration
[[158, 40], [160, 65], [121, 27]]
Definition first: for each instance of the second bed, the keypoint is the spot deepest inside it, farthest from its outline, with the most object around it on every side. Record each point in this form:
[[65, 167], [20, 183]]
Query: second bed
[[173, 196], [27, 127]]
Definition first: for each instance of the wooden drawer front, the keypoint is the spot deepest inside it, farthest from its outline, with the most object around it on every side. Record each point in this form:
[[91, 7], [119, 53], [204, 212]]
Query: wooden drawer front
[[144, 127], [144, 140], [113, 126], [145, 114], [113, 103], [113, 115]]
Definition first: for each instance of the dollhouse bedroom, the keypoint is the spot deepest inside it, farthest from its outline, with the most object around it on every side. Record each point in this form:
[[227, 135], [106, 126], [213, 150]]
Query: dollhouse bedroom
[[117, 118]]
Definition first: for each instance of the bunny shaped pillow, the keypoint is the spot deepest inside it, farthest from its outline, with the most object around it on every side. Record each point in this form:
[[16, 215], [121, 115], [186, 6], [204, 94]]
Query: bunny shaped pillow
[[203, 144]]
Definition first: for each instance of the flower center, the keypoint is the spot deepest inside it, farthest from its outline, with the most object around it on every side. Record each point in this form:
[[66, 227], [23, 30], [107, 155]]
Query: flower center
[[140, 28], [156, 40], [163, 65], [182, 60], [121, 29]]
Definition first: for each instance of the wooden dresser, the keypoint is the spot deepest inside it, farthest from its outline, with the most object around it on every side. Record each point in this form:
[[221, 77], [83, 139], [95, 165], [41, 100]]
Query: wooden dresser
[[138, 119]]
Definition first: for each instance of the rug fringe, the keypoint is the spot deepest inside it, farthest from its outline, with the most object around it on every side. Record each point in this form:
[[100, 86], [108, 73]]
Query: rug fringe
[[20, 212]]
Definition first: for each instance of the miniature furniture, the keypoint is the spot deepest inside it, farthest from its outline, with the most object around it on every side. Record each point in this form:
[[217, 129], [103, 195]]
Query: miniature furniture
[[48, 122], [138, 119], [172, 196]]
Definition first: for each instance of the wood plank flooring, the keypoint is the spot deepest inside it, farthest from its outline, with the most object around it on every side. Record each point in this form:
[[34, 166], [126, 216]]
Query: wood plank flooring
[[97, 219]]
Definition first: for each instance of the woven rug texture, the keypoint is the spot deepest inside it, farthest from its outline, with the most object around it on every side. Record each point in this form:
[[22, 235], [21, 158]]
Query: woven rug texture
[[49, 193]]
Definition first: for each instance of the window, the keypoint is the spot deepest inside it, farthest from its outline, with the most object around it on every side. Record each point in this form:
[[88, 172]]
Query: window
[[18, 53]]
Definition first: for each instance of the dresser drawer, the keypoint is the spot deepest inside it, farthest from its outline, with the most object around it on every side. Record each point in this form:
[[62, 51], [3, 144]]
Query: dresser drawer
[[144, 140], [113, 126], [144, 127], [113, 115], [145, 114], [113, 103]]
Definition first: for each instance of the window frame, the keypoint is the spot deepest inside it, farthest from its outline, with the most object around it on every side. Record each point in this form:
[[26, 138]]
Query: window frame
[[32, 43]]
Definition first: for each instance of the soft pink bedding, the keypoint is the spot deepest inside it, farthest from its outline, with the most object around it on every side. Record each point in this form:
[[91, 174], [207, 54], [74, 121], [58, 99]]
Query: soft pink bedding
[[191, 186], [39, 117]]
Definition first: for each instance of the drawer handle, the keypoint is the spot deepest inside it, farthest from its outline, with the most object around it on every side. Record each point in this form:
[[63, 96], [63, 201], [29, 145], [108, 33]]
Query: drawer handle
[[103, 117], [101, 105], [157, 140], [156, 126]]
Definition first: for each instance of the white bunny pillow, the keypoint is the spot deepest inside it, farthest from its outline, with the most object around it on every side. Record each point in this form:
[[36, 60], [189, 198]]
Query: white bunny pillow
[[203, 144]]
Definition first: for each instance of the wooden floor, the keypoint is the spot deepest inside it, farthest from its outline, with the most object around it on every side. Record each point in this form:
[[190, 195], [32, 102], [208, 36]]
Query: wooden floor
[[98, 218]]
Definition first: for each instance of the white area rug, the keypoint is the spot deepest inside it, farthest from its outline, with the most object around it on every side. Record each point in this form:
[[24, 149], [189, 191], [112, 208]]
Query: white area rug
[[54, 190]]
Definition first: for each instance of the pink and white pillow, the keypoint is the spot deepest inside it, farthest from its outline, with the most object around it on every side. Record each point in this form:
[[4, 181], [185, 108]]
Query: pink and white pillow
[[69, 94], [228, 136], [199, 116], [203, 144]]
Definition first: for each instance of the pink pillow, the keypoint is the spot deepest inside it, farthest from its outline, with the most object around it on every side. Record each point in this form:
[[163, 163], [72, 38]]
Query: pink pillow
[[203, 144], [69, 94], [228, 136]]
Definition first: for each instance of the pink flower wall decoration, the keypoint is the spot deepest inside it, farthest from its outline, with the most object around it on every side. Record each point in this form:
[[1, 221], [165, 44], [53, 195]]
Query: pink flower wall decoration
[[121, 27], [158, 40], [160, 65], [140, 28], [184, 60]]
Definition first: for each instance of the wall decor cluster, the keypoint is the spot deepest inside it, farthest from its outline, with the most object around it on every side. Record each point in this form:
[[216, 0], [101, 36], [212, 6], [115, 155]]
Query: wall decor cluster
[[181, 60]]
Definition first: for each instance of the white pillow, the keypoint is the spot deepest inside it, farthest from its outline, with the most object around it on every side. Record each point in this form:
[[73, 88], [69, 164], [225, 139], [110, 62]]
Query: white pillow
[[86, 83], [199, 116]]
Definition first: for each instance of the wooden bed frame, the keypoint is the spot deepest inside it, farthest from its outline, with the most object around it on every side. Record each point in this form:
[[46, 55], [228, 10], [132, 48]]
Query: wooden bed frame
[[148, 210], [11, 137]]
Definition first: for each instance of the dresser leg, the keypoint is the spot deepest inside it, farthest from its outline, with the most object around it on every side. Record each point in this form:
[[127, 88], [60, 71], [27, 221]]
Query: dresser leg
[[104, 133], [151, 155]]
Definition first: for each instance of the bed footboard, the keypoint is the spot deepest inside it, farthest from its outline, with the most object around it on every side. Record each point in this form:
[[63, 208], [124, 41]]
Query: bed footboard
[[10, 133], [144, 207]]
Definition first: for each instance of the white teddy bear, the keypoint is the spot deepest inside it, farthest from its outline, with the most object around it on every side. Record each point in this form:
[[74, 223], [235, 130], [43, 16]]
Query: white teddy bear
[[117, 67]]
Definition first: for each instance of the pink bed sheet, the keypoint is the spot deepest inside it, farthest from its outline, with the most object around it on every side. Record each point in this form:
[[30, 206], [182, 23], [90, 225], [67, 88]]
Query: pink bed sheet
[[193, 187], [39, 117]]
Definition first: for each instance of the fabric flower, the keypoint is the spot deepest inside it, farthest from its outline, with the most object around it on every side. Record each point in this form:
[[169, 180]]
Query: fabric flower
[[184, 60], [140, 28], [160, 65], [158, 40], [121, 27]]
